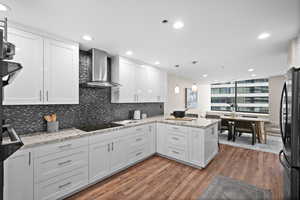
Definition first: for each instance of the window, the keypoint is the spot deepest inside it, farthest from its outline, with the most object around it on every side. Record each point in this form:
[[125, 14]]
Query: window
[[242, 96]]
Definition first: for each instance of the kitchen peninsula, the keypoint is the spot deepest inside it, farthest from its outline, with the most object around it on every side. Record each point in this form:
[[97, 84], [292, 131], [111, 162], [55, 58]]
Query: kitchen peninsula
[[59, 164]]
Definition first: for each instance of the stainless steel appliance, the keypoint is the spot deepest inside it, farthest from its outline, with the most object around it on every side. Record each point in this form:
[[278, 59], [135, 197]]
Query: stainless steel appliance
[[137, 115], [289, 156], [8, 71], [99, 73]]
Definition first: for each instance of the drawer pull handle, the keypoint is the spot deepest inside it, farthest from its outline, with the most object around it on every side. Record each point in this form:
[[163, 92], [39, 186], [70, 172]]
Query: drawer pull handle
[[138, 154], [176, 152], [138, 139], [64, 185], [176, 128], [65, 146], [65, 162], [175, 138]]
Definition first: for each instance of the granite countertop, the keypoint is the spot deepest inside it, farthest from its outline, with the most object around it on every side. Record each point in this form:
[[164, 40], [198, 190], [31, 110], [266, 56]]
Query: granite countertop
[[41, 138]]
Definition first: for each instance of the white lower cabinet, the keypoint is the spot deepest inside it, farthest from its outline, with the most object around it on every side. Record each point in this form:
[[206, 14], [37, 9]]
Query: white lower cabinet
[[18, 176], [160, 138], [60, 168], [62, 185], [99, 162], [106, 157], [57, 170], [196, 146]]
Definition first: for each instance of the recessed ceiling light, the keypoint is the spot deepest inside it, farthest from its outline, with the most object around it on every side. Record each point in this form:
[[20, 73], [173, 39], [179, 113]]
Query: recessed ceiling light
[[253, 75], [129, 53], [263, 36], [157, 63], [4, 7], [195, 62], [250, 70], [87, 37], [204, 75], [177, 66], [178, 25]]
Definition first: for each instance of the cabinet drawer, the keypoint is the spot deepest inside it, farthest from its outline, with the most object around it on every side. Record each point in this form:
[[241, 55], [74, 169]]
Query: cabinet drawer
[[55, 164], [179, 140], [179, 129], [138, 140], [138, 154], [59, 186], [140, 129], [61, 146], [177, 153]]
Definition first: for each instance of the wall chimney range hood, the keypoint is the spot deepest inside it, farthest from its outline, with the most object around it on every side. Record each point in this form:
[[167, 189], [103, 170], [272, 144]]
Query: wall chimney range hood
[[99, 73]]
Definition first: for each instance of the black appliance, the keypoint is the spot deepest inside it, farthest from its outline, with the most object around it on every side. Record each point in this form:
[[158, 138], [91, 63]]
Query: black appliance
[[96, 127], [289, 156], [8, 71]]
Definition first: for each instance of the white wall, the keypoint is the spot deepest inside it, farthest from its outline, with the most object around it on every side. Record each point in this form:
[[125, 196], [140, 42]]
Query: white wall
[[177, 101], [204, 96], [275, 88]]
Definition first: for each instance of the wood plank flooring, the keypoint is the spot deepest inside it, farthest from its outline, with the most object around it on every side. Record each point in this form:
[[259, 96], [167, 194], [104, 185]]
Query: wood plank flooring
[[159, 178]]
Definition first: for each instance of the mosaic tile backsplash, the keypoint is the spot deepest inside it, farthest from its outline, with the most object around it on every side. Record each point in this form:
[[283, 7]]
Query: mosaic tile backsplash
[[94, 107]]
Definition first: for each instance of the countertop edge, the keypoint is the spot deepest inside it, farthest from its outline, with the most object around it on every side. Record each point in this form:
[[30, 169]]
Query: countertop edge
[[80, 134]]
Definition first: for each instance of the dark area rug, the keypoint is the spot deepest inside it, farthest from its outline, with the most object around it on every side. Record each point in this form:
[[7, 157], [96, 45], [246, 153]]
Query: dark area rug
[[225, 188]]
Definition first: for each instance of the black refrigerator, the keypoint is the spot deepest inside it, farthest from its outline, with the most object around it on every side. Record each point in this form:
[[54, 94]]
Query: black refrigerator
[[289, 156], [8, 72]]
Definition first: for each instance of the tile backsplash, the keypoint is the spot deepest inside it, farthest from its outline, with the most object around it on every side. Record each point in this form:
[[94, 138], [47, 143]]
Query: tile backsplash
[[94, 107]]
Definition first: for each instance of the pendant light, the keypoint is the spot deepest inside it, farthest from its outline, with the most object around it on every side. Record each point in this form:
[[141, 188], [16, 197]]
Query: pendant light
[[194, 87], [177, 89]]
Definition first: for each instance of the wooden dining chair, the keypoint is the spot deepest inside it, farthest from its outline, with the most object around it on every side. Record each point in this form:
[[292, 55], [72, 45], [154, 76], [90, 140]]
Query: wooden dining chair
[[241, 127], [227, 125]]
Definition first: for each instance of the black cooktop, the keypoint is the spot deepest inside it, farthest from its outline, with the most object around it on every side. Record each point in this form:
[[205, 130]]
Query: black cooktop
[[90, 128]]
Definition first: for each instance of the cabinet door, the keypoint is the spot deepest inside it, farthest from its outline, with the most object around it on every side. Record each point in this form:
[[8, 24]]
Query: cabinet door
[[141, 83], [126, 93], [153, 84], [152, 138], [163, 84], [27, 87], [18, 176], [196, 148], [61, 72], [118, 154], [161, 139], [99, 161]]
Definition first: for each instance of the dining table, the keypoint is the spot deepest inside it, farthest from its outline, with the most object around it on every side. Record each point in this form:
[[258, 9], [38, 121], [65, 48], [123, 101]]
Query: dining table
[[259, 125]]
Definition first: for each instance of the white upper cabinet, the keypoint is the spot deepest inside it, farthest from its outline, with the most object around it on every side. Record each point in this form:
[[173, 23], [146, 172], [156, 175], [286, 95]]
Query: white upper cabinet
[[50, 73], [28, 85], [140, 83], [123, 72], [61, 73]]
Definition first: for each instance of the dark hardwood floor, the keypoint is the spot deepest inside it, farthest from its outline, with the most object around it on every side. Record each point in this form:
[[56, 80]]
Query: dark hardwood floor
[[159, 178]]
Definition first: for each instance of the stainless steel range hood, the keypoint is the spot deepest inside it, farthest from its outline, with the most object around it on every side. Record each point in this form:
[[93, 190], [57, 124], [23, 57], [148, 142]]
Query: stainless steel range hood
[[99, 73]]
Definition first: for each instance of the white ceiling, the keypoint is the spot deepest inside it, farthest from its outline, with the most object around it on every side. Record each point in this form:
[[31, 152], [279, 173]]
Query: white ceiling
[[216, 32]]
